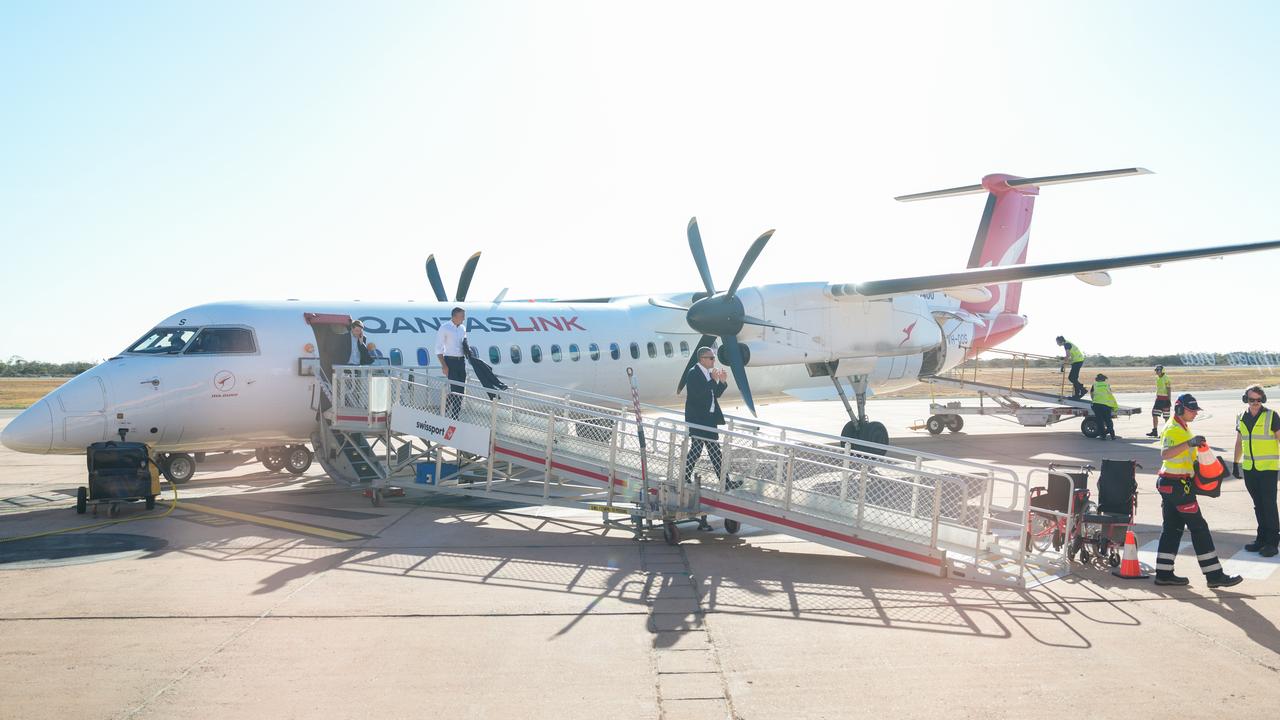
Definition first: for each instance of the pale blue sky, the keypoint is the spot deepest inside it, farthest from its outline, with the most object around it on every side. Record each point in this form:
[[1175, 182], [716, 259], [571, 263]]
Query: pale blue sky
[[155, 156]]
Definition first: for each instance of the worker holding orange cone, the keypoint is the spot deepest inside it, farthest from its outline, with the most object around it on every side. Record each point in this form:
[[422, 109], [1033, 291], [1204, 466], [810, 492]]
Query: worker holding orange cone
[[1178, 504]]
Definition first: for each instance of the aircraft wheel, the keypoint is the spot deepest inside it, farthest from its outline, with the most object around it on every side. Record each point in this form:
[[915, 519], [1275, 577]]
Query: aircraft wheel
[[273, 458], [731, 526], [297, 459], [179, 467], [82, 500], [850, 431], [934, 425], [954, 423], [260, 454], [874, 432], [1091, 427]]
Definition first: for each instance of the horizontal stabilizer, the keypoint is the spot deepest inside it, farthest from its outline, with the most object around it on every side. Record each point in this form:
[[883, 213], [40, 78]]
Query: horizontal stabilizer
[[1026, 182], [979, 277]]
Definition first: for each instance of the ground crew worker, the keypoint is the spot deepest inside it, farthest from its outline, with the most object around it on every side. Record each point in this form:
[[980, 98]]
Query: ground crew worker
[[1258, 451], [1104, 404], [1160, 410], [1178, 504], [1076, 358]]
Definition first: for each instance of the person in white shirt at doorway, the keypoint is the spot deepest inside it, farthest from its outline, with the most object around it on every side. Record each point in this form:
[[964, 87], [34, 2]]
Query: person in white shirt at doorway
[[449, 349]]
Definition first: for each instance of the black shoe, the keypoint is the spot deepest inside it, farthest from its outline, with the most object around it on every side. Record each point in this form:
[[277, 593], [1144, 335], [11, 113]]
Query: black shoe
[[1171, 579], [1222, 580], [1269, 551], [1153, 433], [1114, 436], [1102, 437], [1253, 547], [733, 484]]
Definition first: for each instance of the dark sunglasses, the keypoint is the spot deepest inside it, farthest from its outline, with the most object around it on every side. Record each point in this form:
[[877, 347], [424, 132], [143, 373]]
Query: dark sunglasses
[[1255, 399]]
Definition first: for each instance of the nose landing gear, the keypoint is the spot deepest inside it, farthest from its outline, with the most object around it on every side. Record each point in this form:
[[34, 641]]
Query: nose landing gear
[[859, 427]]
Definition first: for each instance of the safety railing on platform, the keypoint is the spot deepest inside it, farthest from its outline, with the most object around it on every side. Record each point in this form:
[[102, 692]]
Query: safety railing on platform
[[958, 506], [1014, 376]]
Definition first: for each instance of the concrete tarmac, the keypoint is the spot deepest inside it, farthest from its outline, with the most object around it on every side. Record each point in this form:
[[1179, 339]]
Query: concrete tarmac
[[269, 595]]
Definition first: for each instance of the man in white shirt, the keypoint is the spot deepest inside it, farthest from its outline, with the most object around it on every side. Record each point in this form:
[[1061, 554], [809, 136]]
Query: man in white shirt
[[449, 349]]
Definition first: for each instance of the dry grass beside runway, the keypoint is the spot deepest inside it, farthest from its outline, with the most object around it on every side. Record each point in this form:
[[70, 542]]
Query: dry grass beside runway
[[1122, 379], [18, 393]]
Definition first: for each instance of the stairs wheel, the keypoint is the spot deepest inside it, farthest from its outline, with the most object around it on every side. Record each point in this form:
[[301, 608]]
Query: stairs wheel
[[731, 526], [670, 533], [934, 425], [82, 500], [955, 423]]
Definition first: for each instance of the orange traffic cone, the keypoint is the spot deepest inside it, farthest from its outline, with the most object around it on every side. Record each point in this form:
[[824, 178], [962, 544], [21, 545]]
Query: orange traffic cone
[[1130, 569], [1210, 467]]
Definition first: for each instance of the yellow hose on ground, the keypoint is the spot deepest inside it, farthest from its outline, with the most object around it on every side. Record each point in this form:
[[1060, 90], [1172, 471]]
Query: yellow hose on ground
[[105, 523]]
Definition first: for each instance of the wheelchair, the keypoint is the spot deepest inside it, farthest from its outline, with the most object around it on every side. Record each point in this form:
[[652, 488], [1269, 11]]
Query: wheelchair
[[1096, 532]]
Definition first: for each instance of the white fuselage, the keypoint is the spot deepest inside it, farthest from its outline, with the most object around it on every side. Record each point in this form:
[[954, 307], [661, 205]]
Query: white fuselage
[[193, 402]]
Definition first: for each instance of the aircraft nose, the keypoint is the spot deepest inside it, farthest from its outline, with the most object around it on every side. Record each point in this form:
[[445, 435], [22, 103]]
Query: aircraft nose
[[31, 431]]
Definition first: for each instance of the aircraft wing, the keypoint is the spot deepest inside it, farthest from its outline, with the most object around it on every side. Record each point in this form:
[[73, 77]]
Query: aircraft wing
[[959, 282]]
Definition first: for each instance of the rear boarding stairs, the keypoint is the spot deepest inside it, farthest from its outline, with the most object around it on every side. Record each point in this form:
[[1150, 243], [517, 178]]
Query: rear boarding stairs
[[399, 430]]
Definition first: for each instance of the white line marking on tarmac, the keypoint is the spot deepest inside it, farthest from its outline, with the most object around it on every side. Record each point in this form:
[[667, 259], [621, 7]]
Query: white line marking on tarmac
[[1250, 566]]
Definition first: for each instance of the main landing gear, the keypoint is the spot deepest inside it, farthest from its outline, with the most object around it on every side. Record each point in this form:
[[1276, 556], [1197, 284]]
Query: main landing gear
[[296, 459], [859, 427]]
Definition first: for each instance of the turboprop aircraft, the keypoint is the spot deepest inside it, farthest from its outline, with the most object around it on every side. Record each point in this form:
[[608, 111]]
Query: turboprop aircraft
[[240, 374]]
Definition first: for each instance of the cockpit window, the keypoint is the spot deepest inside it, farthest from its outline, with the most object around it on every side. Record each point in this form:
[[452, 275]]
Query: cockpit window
[[222, 340], [164, 341]]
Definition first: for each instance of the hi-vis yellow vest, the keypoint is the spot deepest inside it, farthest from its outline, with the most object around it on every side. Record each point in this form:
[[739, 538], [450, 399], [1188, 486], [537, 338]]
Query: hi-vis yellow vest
[[1076, 354], [1102, 395], [1261, 450], [1162, 386], [1184, 463]]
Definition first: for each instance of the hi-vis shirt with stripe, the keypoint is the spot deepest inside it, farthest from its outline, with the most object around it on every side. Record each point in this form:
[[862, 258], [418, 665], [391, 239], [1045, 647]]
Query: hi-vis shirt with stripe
[[1259, 447], [1175, 433], [1162, 386]]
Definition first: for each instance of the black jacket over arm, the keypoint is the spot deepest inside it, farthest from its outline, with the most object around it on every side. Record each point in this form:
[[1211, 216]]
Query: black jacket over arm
[[701, 401]]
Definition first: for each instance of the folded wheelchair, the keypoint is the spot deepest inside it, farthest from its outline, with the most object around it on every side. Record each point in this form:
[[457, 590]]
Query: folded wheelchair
[[1064, 513]]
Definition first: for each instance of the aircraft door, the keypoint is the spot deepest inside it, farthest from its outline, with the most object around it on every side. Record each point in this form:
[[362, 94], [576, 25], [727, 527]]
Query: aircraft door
[[333, 344], [139, 402]]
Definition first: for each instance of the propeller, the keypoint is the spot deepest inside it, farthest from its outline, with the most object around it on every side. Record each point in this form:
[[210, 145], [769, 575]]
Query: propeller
[[721, 315], [464, 280]]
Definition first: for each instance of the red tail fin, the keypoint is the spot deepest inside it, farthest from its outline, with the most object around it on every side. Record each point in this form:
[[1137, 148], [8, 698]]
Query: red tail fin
[[1002, 239]]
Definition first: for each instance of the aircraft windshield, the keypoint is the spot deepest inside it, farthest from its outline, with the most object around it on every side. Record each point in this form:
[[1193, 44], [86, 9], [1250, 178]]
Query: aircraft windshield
[[163, 341]]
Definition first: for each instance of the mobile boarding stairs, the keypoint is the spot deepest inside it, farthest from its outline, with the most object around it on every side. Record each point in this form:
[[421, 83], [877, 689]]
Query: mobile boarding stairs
[[1008, 395], [395, 430]]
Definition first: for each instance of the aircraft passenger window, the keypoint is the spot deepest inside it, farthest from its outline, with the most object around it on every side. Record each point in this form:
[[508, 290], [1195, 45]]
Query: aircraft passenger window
[[222, 341], [574, 355], [555, 353], [653, 350], [397, 358], [535, 353], [635, 351], [162, 341], [594, 349], [515, 354], [495, 355], [684, 348], [424, 358], [614, 351], [668, 350]]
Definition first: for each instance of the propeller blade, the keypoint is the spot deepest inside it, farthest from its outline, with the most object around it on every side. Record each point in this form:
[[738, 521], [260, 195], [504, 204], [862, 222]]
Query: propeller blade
[[700, 255], [739, 370], [706, 341], [748, 260], [668, 305], [433, 275], [464, 281], [748, 320]]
